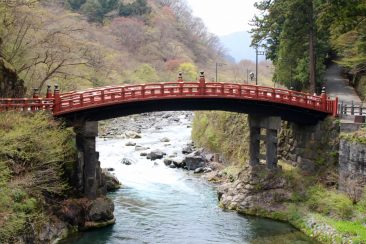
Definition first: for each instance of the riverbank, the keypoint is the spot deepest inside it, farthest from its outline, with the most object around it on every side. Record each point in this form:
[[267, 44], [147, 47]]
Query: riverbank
[[303, 193]]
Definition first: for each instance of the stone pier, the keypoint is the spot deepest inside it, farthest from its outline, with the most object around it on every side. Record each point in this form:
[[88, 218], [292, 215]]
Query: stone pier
[[89, 173], [271, 126]]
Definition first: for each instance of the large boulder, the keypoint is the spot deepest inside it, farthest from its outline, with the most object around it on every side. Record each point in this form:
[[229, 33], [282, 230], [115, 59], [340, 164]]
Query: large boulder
[[193, 162], [111, 181], [155, 154], [100, 210]]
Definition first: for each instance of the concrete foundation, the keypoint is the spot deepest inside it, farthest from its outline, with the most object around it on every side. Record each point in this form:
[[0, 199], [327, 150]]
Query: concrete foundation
[[271, 125]]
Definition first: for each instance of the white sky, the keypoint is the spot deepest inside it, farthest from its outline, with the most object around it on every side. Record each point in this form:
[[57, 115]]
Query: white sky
[[224, 17]]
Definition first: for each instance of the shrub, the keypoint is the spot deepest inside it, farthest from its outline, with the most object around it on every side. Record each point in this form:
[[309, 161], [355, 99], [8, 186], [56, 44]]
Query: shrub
[[329, 202]]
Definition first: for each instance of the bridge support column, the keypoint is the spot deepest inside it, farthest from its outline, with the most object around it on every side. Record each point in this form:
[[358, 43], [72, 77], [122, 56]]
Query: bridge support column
[[254, 146], [88, 170], [271, 125]]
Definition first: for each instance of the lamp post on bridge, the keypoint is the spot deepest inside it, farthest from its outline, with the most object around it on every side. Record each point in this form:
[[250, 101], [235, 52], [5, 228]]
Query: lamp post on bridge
[[218, 65], [257, 53]]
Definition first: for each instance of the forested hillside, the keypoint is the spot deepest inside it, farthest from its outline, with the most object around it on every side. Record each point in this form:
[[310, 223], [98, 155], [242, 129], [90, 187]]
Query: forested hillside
[[301, 36], [83, 43]]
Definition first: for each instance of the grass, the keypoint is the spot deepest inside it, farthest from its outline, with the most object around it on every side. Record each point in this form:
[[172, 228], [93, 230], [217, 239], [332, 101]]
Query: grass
[[357, 136]]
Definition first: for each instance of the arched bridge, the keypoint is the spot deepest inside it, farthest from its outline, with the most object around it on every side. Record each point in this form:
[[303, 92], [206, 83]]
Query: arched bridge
[[109, 102], [265, 105]]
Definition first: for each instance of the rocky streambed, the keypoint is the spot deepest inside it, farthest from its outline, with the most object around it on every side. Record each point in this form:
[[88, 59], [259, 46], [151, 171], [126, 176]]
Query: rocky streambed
[[166, 197]]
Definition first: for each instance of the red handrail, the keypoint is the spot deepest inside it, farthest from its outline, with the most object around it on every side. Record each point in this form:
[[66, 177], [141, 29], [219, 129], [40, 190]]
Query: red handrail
[[69, 102]]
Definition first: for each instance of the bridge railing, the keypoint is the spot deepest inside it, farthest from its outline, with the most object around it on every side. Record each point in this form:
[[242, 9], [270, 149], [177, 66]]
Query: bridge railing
[[26, 104], [74, 101]]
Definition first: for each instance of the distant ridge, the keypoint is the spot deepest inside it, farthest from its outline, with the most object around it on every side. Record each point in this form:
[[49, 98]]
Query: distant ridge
[[237, 45]]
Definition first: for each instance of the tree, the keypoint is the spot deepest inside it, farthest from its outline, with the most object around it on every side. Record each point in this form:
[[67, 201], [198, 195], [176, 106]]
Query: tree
[[288, 32], [138, 7]]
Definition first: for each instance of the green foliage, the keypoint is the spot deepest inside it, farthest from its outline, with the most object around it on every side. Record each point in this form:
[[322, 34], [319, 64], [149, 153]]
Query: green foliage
[[33, 151], [146, 73], [356, 137], [345, 21], [138, 7], [361, 86], [355, 230], [329, 203], [285, 27], [96, 10], [189, 71], [222, 132], [34, 146]]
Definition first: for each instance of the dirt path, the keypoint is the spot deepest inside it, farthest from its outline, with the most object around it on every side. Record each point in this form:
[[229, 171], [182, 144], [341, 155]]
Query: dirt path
[[338, 86]]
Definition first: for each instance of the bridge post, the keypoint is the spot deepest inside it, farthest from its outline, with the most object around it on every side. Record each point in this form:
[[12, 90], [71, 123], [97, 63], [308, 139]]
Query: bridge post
[[89, 179], [324, 99], [49, 92], [57, 102], [202, 83], [272, 125]]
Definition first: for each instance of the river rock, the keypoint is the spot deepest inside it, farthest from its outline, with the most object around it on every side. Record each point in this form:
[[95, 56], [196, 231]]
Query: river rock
[[141, 148], [168, 161], [156, 154], [111, 181], [193, 162], [198, 170], [207, 170], [187, 149], [172, 166], [165, 139], [177, 162], [143, 154], [126, 161], [132, 135], [130, 144], [100, 210]]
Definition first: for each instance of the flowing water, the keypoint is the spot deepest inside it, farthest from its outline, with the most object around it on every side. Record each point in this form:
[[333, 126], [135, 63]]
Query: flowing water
[[162, 205]]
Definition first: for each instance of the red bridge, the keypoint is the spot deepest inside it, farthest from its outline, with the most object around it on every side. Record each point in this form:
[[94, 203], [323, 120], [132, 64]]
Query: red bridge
[[266, 107], [113, 101]]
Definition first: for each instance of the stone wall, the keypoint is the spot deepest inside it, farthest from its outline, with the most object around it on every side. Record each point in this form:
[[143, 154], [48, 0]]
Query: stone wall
[[352, 167], [310, 147], [10, 84]]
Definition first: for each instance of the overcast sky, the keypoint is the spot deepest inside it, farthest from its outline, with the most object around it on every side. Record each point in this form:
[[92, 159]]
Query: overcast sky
[[224, 17]]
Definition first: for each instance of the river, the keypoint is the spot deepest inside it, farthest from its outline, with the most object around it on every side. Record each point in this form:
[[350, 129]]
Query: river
[[158, 204]]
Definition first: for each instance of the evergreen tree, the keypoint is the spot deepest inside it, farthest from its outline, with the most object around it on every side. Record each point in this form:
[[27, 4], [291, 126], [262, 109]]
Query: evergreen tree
[[288, 32], [139, 7], [75, 4]]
